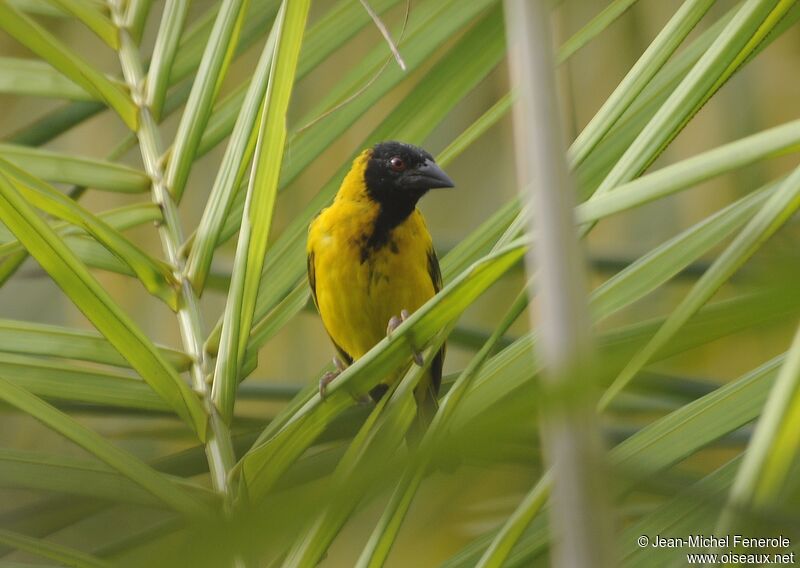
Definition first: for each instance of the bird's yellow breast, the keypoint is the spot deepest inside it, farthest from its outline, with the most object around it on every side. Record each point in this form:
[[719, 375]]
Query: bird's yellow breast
[[358, 288]]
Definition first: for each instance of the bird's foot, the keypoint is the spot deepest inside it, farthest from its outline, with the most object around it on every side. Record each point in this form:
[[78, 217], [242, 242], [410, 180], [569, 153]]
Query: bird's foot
[[328, 377], [394, 323]]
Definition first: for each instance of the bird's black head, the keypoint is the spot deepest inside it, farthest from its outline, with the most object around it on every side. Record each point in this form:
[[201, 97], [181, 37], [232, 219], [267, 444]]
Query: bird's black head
[[398, 174]]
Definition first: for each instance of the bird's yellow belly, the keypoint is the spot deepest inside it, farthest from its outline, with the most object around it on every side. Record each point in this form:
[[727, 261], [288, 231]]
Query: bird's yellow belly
[[357, 298]]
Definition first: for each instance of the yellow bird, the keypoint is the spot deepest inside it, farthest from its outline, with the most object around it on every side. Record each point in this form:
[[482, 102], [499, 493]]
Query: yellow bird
[[371, 261]]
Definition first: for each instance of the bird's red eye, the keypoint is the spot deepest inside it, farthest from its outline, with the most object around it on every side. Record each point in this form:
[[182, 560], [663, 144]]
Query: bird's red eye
[[397, 164]]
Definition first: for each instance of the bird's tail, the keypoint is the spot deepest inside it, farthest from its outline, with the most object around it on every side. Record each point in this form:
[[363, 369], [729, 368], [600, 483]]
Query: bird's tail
[[427, 405], [426, 395]]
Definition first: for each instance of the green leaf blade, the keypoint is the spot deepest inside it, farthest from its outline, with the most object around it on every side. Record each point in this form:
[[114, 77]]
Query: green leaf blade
[[257, 216], [87, 294], [231, 171], [100, 25], [772, 215], [57, 552], [44, 44], [213, 66], [29, 77], [154, 275], [27, 338], [164, 52], [65, 168]]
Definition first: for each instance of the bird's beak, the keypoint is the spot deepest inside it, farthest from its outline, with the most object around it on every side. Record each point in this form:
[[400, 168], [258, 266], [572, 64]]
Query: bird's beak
[[430, 176]]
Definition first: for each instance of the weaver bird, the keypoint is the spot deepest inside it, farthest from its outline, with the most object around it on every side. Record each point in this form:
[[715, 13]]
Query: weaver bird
[[371, 260]]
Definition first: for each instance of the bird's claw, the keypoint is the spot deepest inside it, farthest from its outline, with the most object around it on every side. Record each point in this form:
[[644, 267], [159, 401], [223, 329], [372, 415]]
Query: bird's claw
[[328, 377], [394, 323]]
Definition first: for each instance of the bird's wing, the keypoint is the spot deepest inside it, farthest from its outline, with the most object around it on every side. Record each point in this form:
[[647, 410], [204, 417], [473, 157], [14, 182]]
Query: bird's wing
[[427, 390], [312, 284], [433, 270], [436, 278], [312, 277]]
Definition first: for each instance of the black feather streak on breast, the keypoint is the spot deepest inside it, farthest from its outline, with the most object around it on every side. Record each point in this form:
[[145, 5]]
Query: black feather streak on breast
[[389, 216]]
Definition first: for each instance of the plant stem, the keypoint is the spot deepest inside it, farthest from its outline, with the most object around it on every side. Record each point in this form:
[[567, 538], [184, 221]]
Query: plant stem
[[219, 450], [573, 450]]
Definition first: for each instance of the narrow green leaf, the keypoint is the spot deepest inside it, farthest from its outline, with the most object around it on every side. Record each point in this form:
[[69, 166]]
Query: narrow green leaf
[[258, 18], [689, 512], [154, 275], [221, 122], [53, 123], [28, 338], [257, 217], [597, 24], [34, 78], [600, 161], [45, 45], [66, 168], [533, 502], [477, 129], [776, 211], [191, 47], [232, 169], [189, 57], [664, 262], [689, 172], [42, 7], [120, 219], [216, 57], [46, 549], [140, 473], [60, 381], [274, 321], [10, 264], [167, 42], [772, 448], [750, 49], [658, 52], [88, 14], [695, 425], [74, 476], [694, 90], [94, 255], [136, 17], [90, 297]]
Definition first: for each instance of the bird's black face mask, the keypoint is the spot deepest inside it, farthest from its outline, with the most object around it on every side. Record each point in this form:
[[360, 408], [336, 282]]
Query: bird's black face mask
[[398, 175]]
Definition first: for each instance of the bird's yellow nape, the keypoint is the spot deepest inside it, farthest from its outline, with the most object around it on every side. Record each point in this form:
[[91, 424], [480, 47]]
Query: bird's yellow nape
[[353, 186]]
